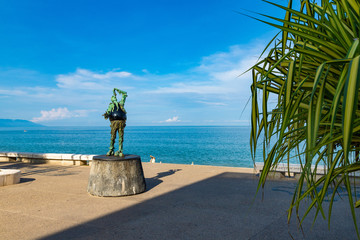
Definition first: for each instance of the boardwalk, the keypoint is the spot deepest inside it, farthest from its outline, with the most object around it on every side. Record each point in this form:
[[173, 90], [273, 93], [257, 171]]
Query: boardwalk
[[182, 202]]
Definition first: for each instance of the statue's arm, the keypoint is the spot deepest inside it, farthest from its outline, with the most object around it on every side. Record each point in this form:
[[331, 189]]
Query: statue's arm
[[119, 91], [109, 110], [123, 98]]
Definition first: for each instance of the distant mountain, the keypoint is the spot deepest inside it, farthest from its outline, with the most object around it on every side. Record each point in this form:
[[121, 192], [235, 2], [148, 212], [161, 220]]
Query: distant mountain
[[18, 123]]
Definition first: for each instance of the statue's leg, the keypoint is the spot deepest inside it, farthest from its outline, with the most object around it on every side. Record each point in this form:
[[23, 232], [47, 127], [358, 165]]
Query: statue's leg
[[112, 138], [121, 139]]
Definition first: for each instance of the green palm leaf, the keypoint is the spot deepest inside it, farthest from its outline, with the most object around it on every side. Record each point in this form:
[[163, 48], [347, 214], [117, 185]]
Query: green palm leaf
[[314, 70]]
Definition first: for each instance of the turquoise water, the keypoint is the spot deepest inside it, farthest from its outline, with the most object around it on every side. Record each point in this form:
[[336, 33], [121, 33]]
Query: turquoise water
[[217, 146]]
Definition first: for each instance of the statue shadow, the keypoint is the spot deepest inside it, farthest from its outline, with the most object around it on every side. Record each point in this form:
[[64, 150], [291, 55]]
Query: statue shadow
[[25, 180], [155, 181]]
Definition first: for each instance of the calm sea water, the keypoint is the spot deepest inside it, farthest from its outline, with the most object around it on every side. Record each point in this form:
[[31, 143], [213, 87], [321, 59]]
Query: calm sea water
[[217, 146]]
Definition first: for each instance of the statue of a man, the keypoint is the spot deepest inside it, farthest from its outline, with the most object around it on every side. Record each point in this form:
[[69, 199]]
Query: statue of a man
[[117, 115]]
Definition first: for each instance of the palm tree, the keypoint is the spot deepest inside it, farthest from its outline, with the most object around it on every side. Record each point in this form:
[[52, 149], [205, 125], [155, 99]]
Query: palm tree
[[313, 72]]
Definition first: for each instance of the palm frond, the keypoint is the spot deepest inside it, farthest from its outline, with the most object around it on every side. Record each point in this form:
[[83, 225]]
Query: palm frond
[[314, 70]]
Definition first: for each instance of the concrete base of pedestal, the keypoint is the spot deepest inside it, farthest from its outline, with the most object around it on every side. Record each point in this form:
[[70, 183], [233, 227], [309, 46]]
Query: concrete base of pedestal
[[116, 176]]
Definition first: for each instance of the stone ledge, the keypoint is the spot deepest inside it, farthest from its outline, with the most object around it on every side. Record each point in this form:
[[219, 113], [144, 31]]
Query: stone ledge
[[294, 170], [56, 158], [9, 176]]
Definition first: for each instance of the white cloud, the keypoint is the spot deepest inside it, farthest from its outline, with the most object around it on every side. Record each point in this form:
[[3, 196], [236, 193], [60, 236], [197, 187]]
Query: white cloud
[[12, 92], [212, 103], [217, 74], [182, 88], [171, 120], [53, 114], [86, 79], [60, 113]]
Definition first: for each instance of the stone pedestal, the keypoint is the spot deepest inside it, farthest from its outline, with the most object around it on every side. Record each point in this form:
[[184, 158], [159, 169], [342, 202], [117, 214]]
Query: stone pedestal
[[116, 176]]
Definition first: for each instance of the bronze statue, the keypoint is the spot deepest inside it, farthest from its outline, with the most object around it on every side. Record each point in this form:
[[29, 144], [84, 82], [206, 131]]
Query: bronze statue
[[117, 115]]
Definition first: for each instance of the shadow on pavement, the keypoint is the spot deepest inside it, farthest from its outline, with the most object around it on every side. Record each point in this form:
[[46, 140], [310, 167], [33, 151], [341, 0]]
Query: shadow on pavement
[[25, 180], [39, 168], [154, 181], [220, 207]]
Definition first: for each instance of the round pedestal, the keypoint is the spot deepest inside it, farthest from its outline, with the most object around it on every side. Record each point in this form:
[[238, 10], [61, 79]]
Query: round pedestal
[[116, 176]]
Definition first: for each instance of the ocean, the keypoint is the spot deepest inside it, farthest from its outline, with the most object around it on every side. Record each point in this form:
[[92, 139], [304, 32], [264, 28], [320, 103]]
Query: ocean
[[207, 145]]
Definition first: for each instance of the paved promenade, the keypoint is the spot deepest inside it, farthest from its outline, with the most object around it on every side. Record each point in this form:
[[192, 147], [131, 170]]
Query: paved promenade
[[181, 202]]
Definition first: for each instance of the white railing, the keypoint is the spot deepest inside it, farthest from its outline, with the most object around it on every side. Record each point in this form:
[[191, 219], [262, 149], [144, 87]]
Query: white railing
[[63, 158], [294, 169]]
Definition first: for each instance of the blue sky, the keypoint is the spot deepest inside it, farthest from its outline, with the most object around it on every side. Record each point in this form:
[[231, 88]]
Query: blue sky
[[179, 61]]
